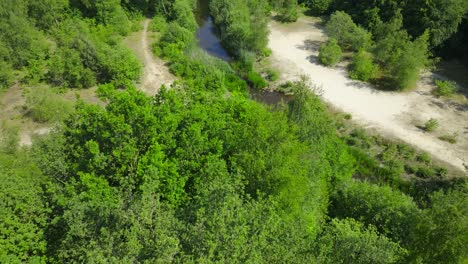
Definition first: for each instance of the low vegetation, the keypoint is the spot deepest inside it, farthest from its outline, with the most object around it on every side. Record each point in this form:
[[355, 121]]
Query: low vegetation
[[362, 67], [445, 88], [450, 138], [330, 53], [431, 125]]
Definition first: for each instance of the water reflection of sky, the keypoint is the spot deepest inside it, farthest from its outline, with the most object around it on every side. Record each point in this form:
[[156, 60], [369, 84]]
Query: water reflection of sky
[[208, 41]]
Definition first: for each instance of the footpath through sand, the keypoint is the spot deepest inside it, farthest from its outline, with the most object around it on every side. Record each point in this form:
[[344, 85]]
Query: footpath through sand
[[155, 72]]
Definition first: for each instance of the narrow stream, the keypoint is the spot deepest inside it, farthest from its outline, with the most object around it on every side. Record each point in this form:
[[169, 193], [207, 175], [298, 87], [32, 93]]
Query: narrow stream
[[209, 41], [206, 34]]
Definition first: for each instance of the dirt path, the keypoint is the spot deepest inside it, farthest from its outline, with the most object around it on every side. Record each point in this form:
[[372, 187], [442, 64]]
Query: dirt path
[[295, 50], [155, 72]]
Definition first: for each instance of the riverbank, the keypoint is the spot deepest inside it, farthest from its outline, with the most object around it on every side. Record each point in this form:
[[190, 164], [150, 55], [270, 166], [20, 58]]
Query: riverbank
[[399, 115]]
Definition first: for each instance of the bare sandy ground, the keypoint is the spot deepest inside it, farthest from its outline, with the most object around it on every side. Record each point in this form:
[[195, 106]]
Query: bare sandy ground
[[155, 72], [13, 104], [295, 50]]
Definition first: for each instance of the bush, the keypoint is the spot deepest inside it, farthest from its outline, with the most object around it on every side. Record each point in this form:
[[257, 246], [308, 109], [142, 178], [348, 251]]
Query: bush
[[119, 65], [158, 24], [256, 80], [400, 57], [319, 7], [389, 210], [425, 172], [67, 70], [43, 105], [272, 75], [288, 14], [362, 67], [424, 158], [176, 38], [349, 36], [9, 137], [431, 125], [6, 74], [330, 53], [445, 88], [350, 241]]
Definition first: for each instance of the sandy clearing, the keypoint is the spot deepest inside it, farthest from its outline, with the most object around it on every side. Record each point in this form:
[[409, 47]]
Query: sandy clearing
[[155, 72], [295, 51], [12, 103]]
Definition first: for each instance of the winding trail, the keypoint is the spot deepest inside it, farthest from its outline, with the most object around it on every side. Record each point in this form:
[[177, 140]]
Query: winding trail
[[155, 72], [295, 52]]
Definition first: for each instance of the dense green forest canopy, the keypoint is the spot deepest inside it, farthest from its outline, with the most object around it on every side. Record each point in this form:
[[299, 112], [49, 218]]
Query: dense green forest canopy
[[199, 173]]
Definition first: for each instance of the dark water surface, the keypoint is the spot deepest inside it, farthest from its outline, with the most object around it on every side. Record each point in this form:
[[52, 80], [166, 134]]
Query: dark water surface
[[208, 40], [206, 34]]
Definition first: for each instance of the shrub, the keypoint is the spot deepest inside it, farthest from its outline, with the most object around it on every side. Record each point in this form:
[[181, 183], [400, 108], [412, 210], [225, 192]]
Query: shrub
[[67, 70], [319, 7], [256, 80], [425, 172], [431, 125], [272, 75], [362, 67], [119, 65], [452, 139], [330, 53], [425, 158], [406, 151], [350, 241], [43, 105], [9, 137], [288, 14], [349, 36], [400, 57], [445, 88], [389, 210], [177, 36], [6, 74], [158, 24]]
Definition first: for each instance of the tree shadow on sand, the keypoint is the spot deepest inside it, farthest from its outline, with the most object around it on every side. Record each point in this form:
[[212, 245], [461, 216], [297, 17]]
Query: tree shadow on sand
[[310, 45]]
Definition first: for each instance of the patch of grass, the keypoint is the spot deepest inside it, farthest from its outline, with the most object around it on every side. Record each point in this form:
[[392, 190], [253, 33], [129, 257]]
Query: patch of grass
[[406, 151], [9, 137], [256, 80], [425, 172], [431, 125], [272, 75], [452, 139], [43, 105], [424, 158], [445, 88]]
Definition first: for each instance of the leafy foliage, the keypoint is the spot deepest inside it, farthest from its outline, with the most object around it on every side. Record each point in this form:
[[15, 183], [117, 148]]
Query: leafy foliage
[[362, 67], [171, 178], [330, 53], [242, 24], [348, 241], [445, 88], [43, 105], [349, 36], [23, 211], [431, 125], [389, 211]]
